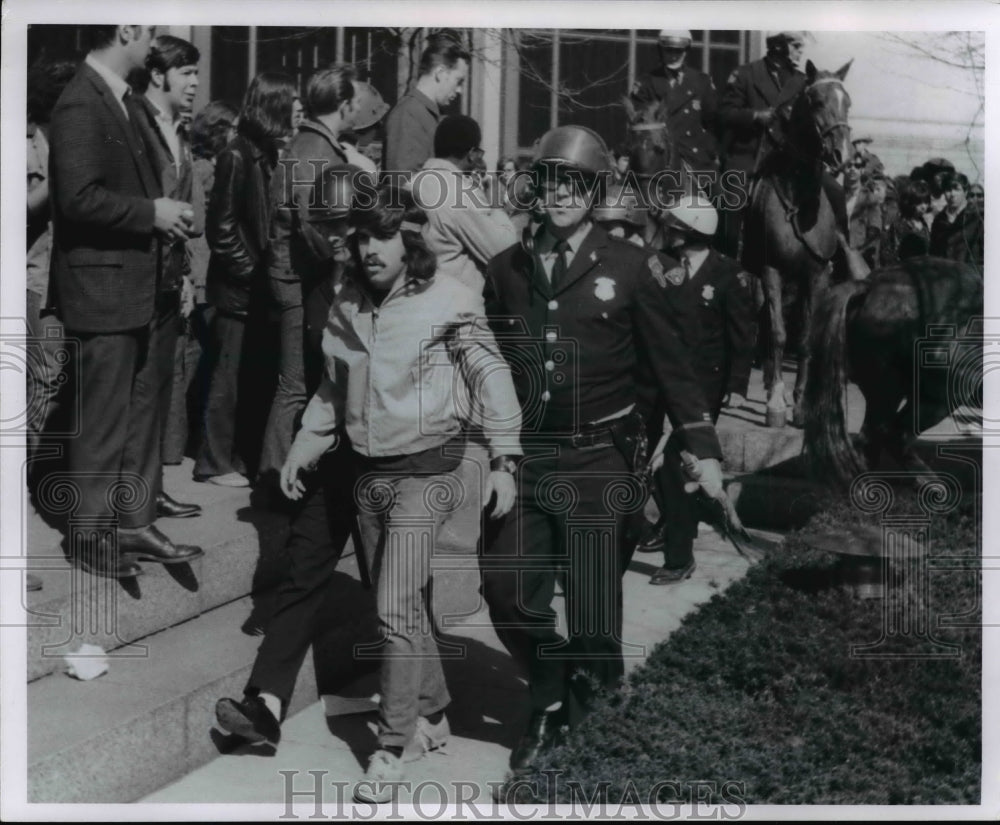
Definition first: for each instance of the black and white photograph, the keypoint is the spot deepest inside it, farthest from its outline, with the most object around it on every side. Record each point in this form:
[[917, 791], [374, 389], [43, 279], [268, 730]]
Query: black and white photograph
[[507, 411]]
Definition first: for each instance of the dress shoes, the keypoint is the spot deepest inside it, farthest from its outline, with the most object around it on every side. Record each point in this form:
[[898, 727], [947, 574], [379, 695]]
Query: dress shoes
[[545, 729], [672, 575], [250, 719], [651, 540], [149, 544], [166, 507], [107, 562]]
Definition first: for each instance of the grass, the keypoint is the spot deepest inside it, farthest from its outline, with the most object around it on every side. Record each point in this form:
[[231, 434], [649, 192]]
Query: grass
[[759, 688]]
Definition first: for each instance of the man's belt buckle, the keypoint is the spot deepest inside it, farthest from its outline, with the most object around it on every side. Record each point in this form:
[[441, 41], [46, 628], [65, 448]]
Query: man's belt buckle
[[592, 438]]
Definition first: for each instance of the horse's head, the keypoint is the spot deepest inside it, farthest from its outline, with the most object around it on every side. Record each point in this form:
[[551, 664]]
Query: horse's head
[[819, 115], [649, 144]]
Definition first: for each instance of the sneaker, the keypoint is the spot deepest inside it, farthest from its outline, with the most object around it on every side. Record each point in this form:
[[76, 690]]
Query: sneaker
[[427, 738], [250, 719], [379, 784]]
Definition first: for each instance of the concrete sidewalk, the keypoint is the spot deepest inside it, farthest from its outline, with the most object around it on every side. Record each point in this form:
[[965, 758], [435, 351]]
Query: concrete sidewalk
[[487, 714]]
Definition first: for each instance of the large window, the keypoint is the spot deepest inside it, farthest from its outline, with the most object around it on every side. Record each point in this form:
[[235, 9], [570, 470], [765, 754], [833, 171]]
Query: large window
[[580, 76]]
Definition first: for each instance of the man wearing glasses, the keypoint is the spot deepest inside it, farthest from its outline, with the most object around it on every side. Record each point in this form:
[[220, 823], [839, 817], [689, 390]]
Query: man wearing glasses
[[462, 229]]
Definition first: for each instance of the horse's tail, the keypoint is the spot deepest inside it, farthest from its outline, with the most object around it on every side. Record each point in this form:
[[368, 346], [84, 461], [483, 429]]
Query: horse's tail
[[830, 452]]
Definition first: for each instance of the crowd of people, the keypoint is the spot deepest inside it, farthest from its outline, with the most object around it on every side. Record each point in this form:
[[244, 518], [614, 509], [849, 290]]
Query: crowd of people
[[257, 288]]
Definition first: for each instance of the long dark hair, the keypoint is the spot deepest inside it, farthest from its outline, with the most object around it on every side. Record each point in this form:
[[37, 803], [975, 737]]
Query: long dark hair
[[266, 116], [393, 210], [210, 129]]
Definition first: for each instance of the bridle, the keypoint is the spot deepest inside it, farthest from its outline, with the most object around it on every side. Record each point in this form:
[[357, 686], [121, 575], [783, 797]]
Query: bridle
[[837, 124]]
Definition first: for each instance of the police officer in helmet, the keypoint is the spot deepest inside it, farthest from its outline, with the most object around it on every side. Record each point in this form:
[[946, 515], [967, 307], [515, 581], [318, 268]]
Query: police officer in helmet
[[596, 328]]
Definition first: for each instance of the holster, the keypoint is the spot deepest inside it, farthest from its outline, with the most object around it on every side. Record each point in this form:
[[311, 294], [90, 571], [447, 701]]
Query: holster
[[629, 435]]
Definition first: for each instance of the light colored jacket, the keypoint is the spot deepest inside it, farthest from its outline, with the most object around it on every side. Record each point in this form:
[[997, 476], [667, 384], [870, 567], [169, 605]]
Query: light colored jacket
[[462, 229], [398, 376]]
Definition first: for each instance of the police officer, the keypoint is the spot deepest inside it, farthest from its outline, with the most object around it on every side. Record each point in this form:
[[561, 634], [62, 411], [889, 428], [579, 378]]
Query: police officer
[[723, 351], [622, 215], [580, 315], [754, 94], [688, 99]]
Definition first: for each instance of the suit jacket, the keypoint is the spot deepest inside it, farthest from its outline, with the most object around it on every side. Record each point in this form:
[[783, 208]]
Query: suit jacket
[[178, 182], [103, 269], [409, 133], [582, 352], [751, 88], [689, 109], [727, 327]]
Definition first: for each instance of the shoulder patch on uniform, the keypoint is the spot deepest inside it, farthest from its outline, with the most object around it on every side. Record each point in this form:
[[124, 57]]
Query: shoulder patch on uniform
[[732, 78], [656, 269]]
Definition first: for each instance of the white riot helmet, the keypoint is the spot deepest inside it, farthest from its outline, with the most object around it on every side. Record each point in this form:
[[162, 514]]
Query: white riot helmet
[[692, 214], [675, 39]]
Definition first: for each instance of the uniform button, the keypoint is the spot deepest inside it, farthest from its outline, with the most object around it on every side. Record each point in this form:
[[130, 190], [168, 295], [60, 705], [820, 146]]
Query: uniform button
[[546, 395], [550, 335], [553, 305], [688, 132], [550, 365]]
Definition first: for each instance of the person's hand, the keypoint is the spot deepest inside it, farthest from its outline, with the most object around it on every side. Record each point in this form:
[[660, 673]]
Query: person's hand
[[708, 477], [656, 459], [187, 297], [734, 400], [173, 219], [763, 116], [291, 484], [500, 484]]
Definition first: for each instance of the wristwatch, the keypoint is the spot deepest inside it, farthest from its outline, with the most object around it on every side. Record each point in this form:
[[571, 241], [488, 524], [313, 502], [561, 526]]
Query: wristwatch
[[504, 464]]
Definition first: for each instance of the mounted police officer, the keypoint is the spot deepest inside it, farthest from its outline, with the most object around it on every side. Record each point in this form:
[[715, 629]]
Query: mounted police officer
[[723, 347], [687, 97], [582, 317], [754, 94]]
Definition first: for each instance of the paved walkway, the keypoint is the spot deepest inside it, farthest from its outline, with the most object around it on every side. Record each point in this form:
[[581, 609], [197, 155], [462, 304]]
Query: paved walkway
[[335, 736]]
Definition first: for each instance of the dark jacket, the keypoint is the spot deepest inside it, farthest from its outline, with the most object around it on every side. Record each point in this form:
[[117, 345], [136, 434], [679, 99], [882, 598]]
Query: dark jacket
[[178, 182], [727, 327], [103, 266], [689, 109], [238, 224], [296, 263], [577, 354], [751, 88], [961, 239], [903, 239], [409, 132]]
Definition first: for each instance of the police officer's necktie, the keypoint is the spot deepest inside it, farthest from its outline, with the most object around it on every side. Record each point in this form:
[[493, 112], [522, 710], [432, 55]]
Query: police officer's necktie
[[687, 268], [560, 265]]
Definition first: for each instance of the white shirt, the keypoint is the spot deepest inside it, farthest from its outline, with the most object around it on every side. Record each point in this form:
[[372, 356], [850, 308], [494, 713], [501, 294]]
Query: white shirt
[[119, 88], [168, 128], [547, 247]]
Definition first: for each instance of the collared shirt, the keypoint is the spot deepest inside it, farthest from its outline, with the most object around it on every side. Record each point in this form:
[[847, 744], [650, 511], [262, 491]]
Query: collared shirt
[[547, 247], [169, 129], [462, 229], [694, 261], [404, 376], [119, 88]]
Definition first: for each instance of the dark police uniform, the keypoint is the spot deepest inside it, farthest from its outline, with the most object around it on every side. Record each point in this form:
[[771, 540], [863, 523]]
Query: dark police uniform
[[762, 84], [577, 353], [689, 105], [723, 349]]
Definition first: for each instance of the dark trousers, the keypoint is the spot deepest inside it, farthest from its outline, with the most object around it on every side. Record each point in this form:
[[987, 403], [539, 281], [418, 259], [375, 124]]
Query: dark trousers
[[290, 396], [221, 448], [571, 516], [320, 526], [183, 407], [121, 381]]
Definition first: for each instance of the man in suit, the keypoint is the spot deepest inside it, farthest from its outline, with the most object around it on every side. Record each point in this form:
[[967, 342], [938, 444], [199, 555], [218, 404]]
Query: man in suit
[[108, 211], [723, 348], [688, 100], [410, 125], [754, 95], [171, 81], [586, 319]]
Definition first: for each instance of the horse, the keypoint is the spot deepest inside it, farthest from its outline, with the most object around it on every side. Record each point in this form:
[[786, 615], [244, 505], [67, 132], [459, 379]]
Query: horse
[[656, 167], [911, 338], [791, 233]]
